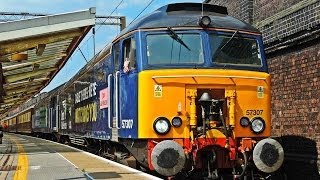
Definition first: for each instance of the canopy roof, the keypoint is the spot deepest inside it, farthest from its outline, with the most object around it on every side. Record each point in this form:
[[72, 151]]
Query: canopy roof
[[33, 51]]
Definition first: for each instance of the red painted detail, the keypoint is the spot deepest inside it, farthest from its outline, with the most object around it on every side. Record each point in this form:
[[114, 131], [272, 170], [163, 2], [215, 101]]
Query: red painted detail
[[233, 153], [222, 142], [225, 149], [246, 144], [187, 145], [151, 145]]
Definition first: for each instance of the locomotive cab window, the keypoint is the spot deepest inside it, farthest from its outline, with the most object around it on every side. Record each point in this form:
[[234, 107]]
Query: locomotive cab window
[[129, 54], [235, 50], [116, 51], [167, 49]]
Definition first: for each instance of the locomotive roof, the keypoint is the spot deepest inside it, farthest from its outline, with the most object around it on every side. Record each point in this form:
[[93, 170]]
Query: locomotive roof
[[187, 14]]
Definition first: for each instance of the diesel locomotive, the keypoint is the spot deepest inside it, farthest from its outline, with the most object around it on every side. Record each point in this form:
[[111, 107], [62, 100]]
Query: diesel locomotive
[[183, 90]]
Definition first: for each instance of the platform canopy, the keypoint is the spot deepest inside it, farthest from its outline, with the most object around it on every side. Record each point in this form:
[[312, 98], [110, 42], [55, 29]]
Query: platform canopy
[[32, 52]]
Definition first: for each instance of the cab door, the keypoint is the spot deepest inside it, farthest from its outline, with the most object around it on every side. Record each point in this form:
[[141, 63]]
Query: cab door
[[128, 89], [124, 95]]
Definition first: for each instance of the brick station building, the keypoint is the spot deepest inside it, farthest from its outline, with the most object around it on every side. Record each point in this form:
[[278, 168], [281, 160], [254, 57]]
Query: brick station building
[[291, 30]]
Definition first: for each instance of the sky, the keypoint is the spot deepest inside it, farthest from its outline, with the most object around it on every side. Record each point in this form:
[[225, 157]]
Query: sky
[[104, 34]]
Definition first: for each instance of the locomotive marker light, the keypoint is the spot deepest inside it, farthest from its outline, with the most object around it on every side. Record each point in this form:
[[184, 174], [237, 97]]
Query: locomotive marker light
[[204, 21], [268, 155], [176, 122], [258, 125], [168, 158], [161, 125], [244, 122]]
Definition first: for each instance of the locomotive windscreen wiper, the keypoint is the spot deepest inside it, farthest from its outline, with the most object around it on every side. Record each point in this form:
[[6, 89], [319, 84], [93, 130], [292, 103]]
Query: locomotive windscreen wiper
[[219, 50], [175, 36], [229, 40]]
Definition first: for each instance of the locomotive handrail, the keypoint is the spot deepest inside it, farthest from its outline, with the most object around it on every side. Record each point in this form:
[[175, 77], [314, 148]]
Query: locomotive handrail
[[117, 100], [109, 101], [210, 76]]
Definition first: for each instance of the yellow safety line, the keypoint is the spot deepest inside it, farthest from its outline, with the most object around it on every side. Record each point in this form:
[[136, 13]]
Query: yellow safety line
[[22, 166]]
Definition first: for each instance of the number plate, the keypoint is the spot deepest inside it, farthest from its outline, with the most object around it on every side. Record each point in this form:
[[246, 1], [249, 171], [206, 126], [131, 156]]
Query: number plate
[[254, 112], [127, 123]]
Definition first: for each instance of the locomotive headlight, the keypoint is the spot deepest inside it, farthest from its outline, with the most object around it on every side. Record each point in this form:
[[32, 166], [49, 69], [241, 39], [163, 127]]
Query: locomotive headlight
[[161, 125], [204, 21], [258, 125], [176, 122]]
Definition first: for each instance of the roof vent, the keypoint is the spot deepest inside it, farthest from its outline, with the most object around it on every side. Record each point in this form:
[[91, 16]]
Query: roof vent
[[197, 7]]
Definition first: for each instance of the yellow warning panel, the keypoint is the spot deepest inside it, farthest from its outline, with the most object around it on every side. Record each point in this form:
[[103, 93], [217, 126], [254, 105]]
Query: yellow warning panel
[[260, 93], [157, 90]]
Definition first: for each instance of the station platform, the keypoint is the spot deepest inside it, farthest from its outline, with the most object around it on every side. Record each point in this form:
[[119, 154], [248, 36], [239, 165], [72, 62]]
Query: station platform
[[25, 157]]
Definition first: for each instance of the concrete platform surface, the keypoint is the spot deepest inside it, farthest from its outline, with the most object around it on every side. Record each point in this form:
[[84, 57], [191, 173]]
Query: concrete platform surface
[[24, 157]]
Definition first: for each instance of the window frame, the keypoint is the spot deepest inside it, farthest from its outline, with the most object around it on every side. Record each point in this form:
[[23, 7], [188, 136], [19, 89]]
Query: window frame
[[116, 52], [123, 53], [261, 68], [233, 64], [147, 66], [208, 64]]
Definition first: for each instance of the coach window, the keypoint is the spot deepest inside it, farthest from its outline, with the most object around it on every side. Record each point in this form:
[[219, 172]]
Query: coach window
[[129, 60]]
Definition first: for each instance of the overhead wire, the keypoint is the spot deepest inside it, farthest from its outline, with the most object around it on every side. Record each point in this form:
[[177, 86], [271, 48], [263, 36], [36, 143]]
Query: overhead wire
[[142, 11], [92, 36], [111, 13], [94, 30]]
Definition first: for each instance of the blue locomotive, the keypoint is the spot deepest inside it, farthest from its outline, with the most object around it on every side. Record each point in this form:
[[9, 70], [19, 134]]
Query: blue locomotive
[[182, 90]]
